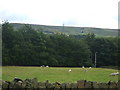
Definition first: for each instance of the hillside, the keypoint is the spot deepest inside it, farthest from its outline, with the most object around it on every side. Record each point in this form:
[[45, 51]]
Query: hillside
[[71, 30]]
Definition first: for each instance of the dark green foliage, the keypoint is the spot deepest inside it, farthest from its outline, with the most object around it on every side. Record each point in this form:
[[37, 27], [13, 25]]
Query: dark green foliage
[[27, 46], [106, 48]]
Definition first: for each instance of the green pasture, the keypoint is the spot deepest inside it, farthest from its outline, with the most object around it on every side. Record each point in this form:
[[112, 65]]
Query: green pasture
[[60, 74]]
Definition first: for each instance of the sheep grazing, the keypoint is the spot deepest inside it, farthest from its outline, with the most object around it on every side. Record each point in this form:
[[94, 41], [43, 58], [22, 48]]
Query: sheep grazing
[[114, 74], [83, 67], [43, 65], [69, 70], [47, 66], [90, 67]]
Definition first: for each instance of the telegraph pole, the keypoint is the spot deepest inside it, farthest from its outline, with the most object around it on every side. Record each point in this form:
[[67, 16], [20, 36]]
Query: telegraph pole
[[95, 58]]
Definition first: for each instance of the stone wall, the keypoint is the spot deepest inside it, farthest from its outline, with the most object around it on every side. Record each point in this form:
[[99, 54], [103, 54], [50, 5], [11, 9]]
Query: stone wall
[[33, 84]]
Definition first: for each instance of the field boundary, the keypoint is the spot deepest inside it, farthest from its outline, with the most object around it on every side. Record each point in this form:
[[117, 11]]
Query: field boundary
[[34, 84]]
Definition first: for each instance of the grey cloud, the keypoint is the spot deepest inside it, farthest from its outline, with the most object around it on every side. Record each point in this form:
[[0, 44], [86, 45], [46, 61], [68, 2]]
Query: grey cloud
[[6, 15]]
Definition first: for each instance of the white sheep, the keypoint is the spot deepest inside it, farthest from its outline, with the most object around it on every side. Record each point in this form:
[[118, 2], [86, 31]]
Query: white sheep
[[90, 67], [69, 70], [47, 66], [43, 65], [114, 74], [83, 67]]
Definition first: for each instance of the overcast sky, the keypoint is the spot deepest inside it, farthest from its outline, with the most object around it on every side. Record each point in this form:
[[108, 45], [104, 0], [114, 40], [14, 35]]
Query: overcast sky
[[81, 13]]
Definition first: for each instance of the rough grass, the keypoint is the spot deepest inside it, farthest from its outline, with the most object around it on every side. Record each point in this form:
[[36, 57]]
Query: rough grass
[[60, 74]]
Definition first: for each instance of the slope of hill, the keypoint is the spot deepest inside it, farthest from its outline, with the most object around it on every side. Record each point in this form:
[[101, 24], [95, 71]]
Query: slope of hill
[[71, 30]]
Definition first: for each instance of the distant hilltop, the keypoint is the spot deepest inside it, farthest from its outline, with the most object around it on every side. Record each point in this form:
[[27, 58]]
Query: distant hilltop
[[71, 30]]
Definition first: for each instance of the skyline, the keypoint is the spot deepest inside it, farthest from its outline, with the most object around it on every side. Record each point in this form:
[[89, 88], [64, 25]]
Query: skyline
[[77, 13]]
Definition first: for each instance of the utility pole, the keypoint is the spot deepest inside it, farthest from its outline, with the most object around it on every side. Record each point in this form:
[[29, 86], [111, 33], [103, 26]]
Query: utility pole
[[95, 58]]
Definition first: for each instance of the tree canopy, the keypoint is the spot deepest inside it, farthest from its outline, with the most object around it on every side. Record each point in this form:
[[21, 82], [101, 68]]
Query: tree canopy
[[27, 46]]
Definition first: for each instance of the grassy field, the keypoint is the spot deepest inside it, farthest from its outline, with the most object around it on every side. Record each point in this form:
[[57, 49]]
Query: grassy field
[[72, 30], [54, 74]]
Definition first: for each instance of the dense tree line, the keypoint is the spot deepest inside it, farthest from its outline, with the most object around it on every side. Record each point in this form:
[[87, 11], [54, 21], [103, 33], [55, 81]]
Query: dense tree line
[[27, 46]]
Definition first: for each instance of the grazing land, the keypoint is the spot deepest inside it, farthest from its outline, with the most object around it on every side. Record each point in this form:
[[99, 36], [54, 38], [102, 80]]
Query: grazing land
[[102, 32], [60, 74]]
